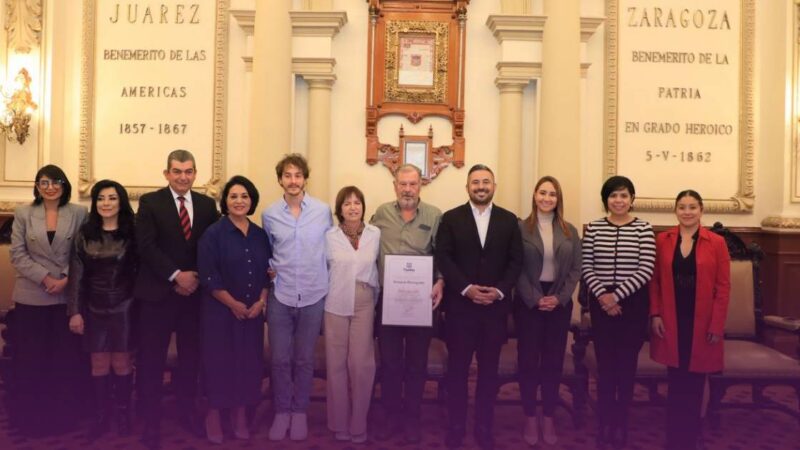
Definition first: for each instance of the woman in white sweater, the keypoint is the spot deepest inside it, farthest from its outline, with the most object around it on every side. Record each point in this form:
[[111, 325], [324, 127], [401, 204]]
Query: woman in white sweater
[[352, 249]]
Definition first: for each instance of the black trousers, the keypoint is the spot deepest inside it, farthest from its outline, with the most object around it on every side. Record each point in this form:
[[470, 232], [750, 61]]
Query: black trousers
[[684, 403], [617, 341], [157, 321], [50, 373], [541, 341], [482, 335], [404, 360]]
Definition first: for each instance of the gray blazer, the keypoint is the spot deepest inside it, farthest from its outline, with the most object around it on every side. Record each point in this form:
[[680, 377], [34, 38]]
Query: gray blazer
[[567, 255], [34, 257]]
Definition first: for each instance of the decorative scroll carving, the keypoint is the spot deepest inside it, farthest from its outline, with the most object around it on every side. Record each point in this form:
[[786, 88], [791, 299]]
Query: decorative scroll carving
[[436, 92], [437, 158], [782, 223], [24, 24]]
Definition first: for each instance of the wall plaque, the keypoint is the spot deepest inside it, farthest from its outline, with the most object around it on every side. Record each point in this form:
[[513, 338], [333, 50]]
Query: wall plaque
[[679, 100], [153, 81]]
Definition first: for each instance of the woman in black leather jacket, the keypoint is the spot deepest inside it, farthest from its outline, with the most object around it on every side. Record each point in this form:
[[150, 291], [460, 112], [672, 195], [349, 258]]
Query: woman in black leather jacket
[[102, 275]]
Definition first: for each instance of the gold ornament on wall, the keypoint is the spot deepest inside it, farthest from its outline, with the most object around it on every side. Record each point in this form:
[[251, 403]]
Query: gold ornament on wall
[[23, 24]]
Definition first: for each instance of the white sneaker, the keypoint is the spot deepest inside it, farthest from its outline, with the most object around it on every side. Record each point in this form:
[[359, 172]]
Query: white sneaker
[[549, 431], [342, 436], [531, 433], [299, 428], [280, 424]]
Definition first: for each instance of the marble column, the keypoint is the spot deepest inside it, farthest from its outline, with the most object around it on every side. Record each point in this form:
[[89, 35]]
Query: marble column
[[509, 171], [559, 139], [319, 134], [271, 110]]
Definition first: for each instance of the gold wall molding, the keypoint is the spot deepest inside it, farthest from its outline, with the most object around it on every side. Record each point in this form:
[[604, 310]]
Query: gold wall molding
[[781, 223], [743, 200], [317, 23], [86, 178], [795, 172], [9, 207], [516, 27], [24, 20]]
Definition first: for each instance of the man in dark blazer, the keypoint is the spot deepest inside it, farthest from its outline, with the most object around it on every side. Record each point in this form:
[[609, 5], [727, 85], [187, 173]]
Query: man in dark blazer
[[169, 224], [479, 252]]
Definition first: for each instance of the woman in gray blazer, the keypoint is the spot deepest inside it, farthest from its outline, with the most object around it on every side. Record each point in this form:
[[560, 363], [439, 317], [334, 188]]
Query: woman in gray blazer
[[543, 304], [46, 354]]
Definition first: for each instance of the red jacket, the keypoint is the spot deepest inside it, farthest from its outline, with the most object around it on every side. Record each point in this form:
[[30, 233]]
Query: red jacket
[[711, 301]]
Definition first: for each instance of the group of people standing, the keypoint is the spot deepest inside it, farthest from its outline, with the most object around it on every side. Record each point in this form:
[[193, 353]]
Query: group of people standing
[[126, 285]]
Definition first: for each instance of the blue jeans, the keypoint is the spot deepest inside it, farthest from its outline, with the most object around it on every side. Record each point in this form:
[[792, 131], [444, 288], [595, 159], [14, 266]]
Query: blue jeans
[[293, 332]]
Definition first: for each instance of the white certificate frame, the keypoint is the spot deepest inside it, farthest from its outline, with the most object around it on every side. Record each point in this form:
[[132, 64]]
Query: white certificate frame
[[407, 285]]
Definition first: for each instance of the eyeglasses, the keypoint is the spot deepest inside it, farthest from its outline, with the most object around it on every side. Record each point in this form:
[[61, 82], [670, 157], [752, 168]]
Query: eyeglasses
[[44, 184]]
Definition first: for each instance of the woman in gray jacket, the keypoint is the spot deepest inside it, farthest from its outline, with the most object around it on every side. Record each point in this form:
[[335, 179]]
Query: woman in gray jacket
[[543, 304], [46, 354]]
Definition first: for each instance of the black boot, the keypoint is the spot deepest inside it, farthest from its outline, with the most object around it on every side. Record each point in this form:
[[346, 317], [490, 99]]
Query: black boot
[[122, 400], [101, 406]]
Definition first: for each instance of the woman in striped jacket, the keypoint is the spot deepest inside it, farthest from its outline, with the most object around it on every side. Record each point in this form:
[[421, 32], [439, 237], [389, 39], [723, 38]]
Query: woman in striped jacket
[[618, 259]]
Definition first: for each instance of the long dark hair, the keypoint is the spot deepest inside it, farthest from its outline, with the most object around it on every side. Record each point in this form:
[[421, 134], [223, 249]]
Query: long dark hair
[[93, 228], [54, 173]]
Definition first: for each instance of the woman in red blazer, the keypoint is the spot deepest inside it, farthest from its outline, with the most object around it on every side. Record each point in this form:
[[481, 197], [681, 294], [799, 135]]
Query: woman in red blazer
[[689, 295]]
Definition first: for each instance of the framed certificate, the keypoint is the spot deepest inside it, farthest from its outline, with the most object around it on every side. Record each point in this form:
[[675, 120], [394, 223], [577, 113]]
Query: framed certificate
[[407, 284]]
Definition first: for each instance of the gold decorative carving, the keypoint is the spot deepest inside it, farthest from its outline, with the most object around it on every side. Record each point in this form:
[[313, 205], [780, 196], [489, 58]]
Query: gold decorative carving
[[439, 91], [9, 207], [781, 223], [744, 199], [86, 178], [438, 157], [397, 93], [24, 24]]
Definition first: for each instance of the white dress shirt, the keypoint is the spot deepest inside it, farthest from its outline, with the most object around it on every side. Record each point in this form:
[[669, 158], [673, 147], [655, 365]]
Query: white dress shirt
[[481, 220], [186, 203], [347, 266]]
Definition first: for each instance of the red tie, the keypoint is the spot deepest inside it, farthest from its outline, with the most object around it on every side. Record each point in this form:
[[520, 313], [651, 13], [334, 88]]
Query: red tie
[[186, 224]]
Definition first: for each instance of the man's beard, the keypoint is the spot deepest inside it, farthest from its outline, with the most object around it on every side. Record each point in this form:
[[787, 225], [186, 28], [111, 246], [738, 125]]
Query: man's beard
[[473, 197]]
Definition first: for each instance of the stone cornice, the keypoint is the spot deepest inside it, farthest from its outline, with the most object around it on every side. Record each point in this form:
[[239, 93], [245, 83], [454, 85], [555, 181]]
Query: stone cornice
[[246, 18], [516, 27], [317, 23], [589, 26], [517, 72], [317, 69]]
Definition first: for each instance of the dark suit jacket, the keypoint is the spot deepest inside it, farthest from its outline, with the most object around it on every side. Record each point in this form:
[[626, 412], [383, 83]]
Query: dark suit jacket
[[462, 261], [160, 242]]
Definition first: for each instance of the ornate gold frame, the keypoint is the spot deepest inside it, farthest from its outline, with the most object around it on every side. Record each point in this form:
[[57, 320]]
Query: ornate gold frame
[[397, 93], [389, 20], [744, 198], [86, 180]]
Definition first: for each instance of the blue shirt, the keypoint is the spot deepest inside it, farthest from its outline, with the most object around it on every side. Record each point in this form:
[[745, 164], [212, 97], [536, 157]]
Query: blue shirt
[[298, 250], [229, 260]]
